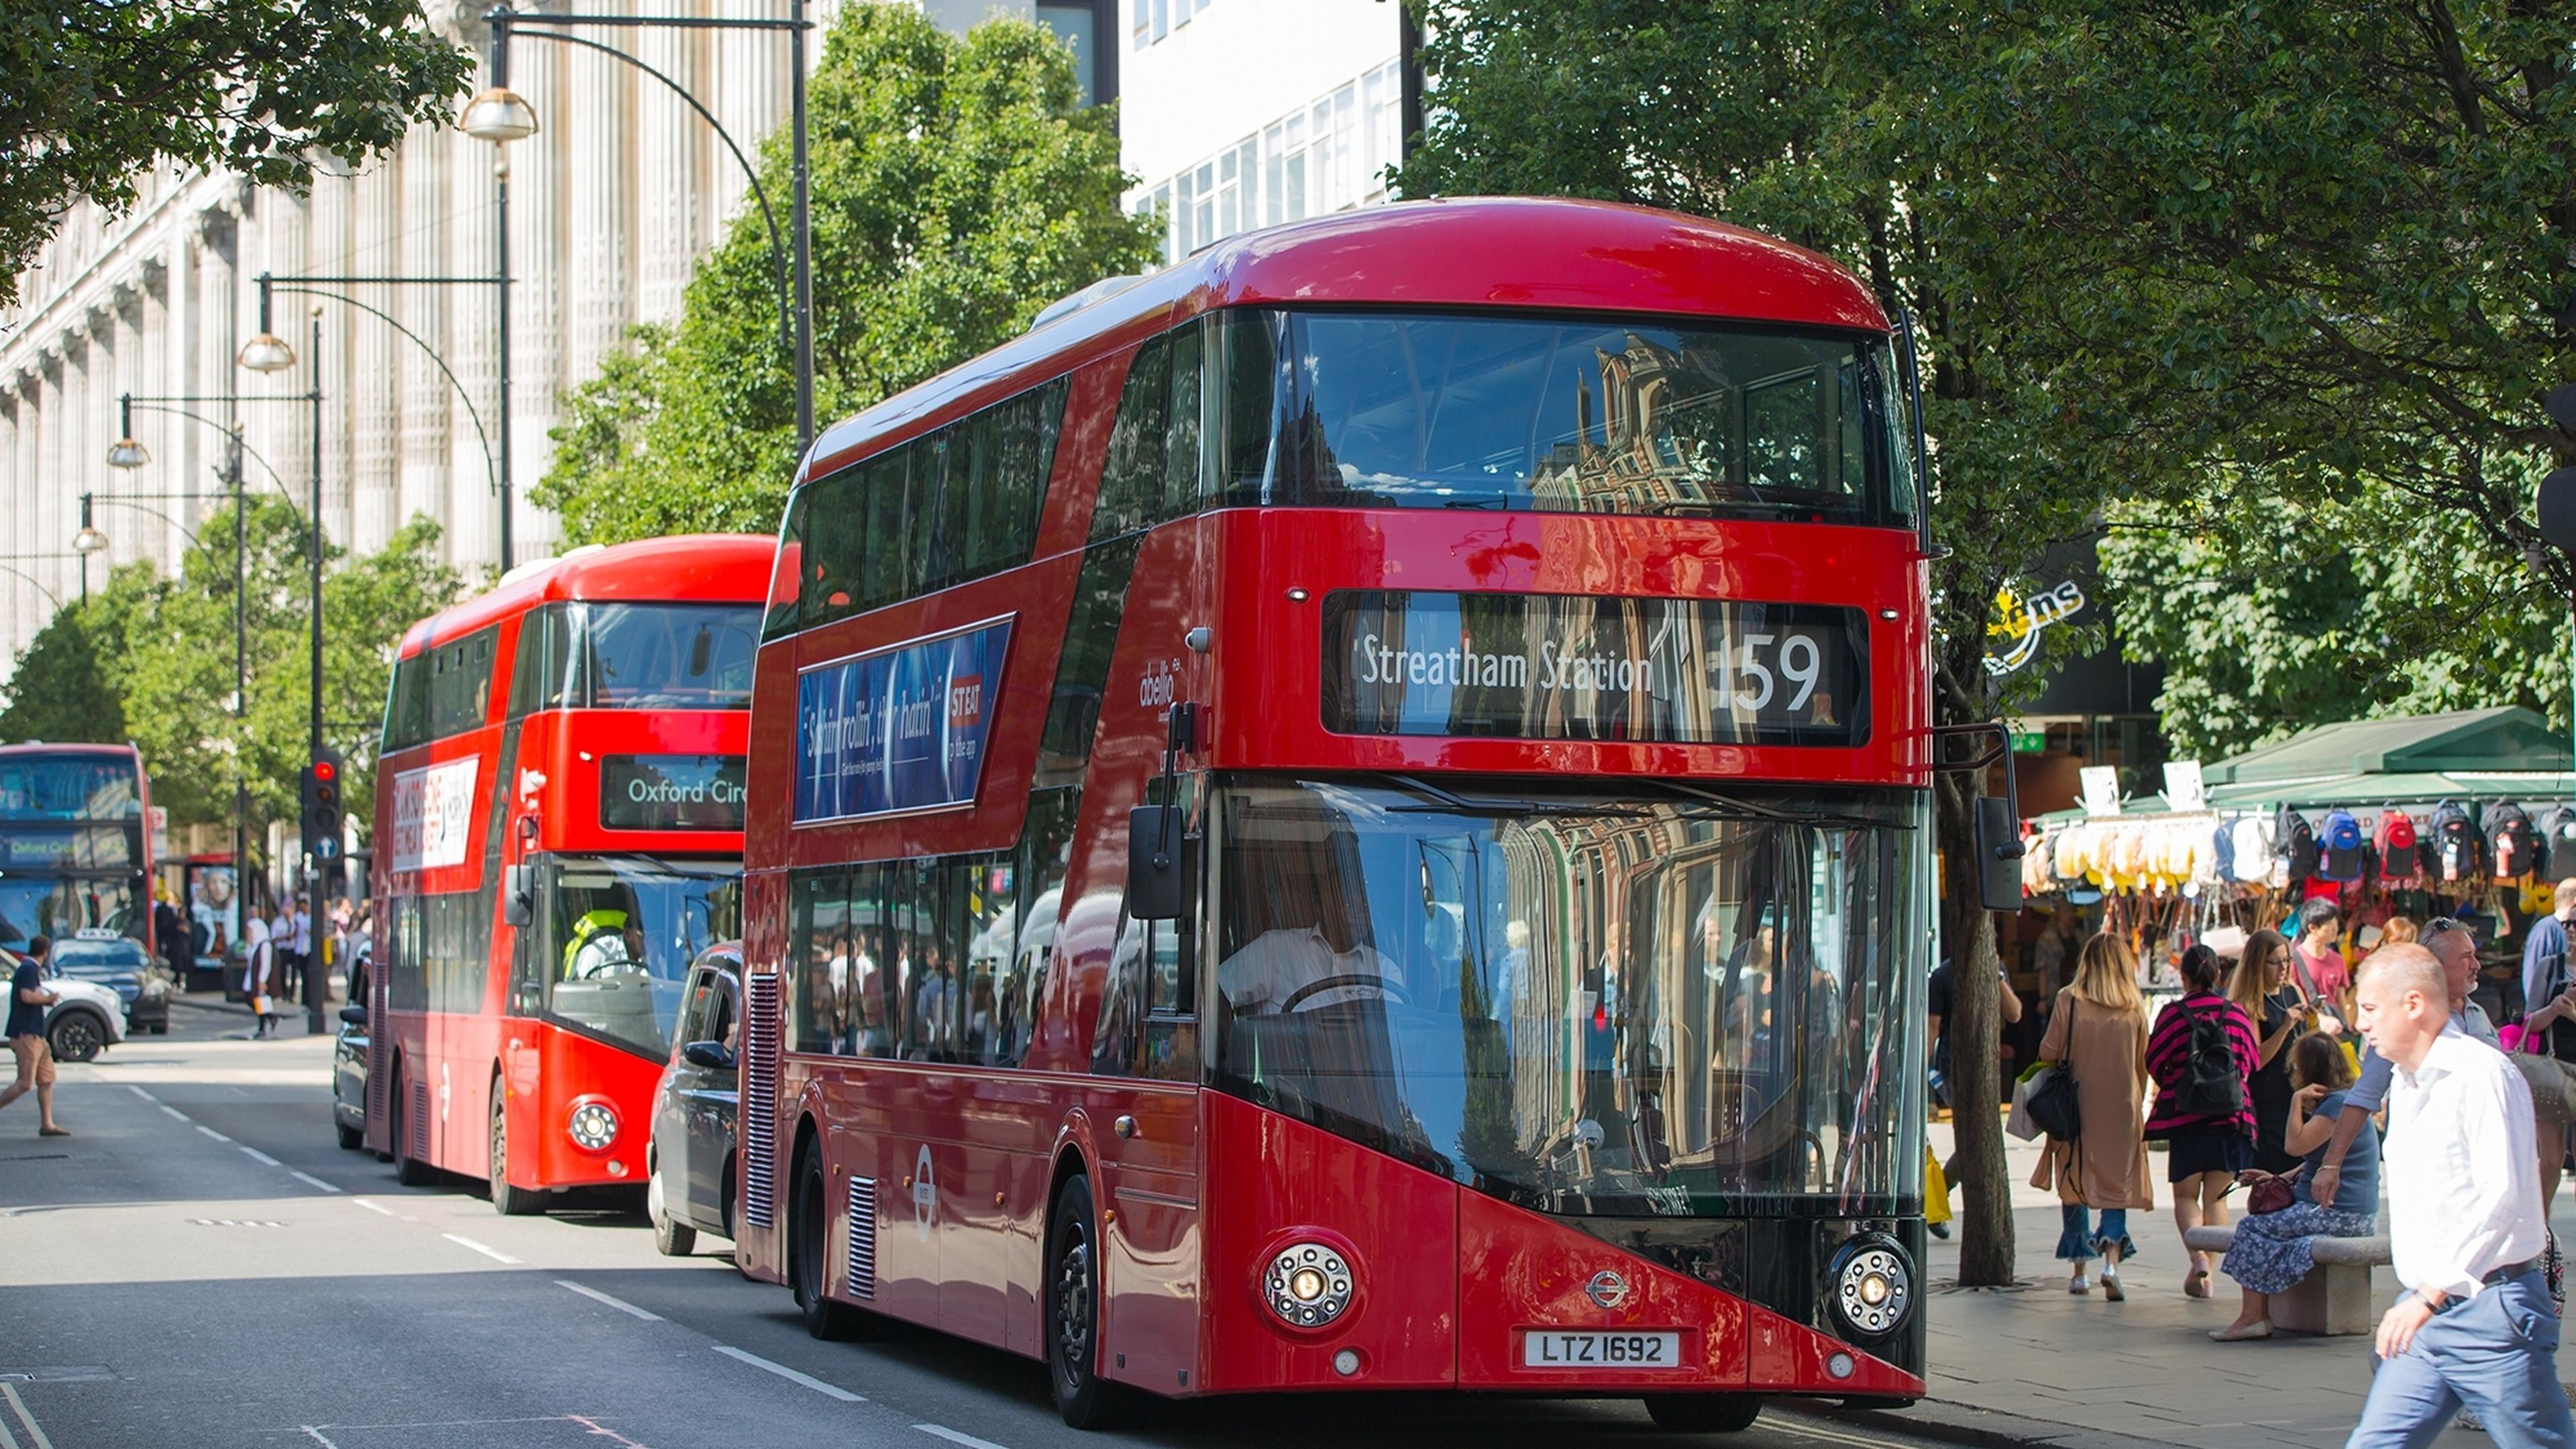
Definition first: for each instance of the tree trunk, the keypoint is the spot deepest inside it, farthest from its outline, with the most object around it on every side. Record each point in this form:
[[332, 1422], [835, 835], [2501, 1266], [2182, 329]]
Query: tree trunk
[[1976, 1081]]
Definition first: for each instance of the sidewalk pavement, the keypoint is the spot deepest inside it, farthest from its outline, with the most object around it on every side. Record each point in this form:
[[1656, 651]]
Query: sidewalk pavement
[[2039, 1365]]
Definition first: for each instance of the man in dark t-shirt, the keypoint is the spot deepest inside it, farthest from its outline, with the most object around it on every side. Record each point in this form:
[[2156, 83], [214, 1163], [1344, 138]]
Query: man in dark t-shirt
[[28, 999]]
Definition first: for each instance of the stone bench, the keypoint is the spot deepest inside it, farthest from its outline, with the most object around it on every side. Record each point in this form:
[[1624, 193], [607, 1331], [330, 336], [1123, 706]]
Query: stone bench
[[2335, 1297]]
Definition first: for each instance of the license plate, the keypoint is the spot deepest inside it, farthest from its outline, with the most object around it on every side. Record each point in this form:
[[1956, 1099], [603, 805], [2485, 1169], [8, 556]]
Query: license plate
[[1550, 1349]]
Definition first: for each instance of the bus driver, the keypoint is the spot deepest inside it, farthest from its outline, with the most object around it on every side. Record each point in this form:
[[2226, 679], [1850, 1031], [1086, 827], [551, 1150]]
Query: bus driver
[[1311, 955]]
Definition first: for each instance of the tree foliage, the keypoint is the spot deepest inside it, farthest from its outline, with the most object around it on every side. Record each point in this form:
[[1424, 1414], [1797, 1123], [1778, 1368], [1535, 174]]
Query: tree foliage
[[957, 187], [178, 660], [92, 96], [69, 682]]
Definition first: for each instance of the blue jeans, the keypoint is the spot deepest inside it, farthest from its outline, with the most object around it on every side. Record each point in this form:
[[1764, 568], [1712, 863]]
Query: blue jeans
[[2497, 1354], [2078, 1243]]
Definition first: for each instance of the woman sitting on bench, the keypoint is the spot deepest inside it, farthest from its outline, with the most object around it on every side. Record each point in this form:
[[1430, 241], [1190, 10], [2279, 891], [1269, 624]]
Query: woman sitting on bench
[[2275, 1250]]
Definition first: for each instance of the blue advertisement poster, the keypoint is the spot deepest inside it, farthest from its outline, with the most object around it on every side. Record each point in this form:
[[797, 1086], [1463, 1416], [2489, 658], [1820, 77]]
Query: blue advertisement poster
[[898, 730]]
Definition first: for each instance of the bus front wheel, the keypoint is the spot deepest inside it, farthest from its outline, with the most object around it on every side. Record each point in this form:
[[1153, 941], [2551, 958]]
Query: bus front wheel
[[1704, 1413], [1071, 1296], [508, 1201], [808, 1231]]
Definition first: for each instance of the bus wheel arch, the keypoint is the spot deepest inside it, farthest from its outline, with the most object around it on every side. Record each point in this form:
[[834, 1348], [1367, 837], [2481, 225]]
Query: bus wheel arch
[[809, 1235], [507, 1200], [1070, 1302]]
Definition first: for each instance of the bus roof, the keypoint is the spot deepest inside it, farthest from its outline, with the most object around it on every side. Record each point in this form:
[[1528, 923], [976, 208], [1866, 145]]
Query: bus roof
[[683, 568], [68, 747], [1494, 251]]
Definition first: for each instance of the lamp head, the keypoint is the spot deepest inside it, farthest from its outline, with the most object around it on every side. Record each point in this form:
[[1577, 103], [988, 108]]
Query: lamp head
[[498, 115], [266, 352], [127, 452], [88, 540]]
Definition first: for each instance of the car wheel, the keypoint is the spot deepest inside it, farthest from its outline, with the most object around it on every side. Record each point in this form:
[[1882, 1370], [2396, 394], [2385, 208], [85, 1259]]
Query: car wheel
[[808, 1232], [670, 1239], [160, 1028], [77, 1036], [1704, 1413], [351, 1138], [408, 1170], [1071, 1301], [512, 1202]]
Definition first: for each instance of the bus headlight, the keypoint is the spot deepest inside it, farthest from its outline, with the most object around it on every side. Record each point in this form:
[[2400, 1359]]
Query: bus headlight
[[593, 1126], [1873, 1286], [1308, 1285]]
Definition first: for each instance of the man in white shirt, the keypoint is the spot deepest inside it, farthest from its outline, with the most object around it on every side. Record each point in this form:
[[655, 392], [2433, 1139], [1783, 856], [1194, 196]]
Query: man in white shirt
[[2476, 1326], [1300, 970]]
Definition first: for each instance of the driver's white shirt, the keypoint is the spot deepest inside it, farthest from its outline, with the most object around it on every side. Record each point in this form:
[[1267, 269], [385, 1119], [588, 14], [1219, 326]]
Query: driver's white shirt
[[599, 953], [1274, 965]]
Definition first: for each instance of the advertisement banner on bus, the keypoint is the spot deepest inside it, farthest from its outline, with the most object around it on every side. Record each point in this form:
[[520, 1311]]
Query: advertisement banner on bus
[[433, 815], [1546, 666], [900, 729]]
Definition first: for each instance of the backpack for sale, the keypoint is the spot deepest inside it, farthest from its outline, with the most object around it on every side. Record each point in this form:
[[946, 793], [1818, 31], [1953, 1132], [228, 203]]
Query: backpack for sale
[[2400, 862], [2454, 850], [2252, 847], [2339, 847], [2513, 846], [2561, 845], [2211, 1085], [2294, 844]]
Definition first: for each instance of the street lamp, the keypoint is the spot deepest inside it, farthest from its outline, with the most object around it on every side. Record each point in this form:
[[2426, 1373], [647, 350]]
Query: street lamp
[[86, 542], [499, 114], [127, 451]]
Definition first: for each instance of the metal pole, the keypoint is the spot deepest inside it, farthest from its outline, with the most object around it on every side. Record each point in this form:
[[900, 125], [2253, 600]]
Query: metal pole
[[241, 702], [501, 274], [83, 550], [316, 981], [803, 224]]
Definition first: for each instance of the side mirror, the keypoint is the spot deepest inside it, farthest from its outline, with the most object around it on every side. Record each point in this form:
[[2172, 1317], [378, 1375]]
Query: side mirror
[[1156, 879], [518, 894], [1999, 853], [353, 1016], [708, 1054]]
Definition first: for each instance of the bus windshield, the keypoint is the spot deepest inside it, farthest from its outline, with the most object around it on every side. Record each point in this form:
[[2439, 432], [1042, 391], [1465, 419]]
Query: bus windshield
[[69, 787], [1630, 416], [1585, 1000], [620, 934]]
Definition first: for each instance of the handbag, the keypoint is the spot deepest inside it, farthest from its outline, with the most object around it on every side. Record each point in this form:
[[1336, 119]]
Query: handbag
[[2021, 1124], [2265, 1192], [2052, 1098]]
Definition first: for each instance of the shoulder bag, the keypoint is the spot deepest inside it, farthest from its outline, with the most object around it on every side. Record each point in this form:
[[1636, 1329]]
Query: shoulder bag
[[2052, 1100]]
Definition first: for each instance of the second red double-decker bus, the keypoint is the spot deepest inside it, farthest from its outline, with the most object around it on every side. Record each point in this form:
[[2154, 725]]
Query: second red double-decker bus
[[559, 806], [1355, 813]]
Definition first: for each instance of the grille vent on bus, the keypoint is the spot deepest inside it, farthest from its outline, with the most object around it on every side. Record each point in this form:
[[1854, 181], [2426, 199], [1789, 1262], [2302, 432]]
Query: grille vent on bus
[[863, 1237], [758, 1112], [379, 1065], [416, 1132]]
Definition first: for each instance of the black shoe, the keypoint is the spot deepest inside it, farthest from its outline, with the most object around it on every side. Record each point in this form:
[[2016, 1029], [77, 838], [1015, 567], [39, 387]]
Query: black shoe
[[1940, 1230]]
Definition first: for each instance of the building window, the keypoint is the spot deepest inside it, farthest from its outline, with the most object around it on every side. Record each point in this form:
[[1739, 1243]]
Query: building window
[[1328, 155], [1078, 26]]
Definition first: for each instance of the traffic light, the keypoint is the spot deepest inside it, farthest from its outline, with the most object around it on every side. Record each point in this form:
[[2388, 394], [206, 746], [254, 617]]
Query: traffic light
[[321, 791], [2555, 505]]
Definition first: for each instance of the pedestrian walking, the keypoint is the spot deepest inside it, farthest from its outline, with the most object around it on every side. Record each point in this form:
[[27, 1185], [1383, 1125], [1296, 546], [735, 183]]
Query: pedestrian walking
[[2320, 961], [2275, 1250], [2263, 988], [2548, 1056], [28, 998], [2203, 1057], [259, 970], [2455, 949], [2098, 1031], [2475, 1326]]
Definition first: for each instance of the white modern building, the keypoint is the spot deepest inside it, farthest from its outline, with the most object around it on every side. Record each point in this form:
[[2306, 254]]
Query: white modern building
[[1234, 114]]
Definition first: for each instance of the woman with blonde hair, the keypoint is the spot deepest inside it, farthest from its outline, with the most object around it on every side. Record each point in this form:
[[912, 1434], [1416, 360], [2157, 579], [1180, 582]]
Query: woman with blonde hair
[[2263, 988], [2397, 931], [2099, 1032]]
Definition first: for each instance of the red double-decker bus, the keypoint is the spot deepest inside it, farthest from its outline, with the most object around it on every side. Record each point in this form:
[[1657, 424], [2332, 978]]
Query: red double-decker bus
[[1355, 813], [559, 805], [75, 842]]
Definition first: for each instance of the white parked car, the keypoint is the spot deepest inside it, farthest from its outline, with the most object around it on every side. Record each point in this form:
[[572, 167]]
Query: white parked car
[[88, 1019]]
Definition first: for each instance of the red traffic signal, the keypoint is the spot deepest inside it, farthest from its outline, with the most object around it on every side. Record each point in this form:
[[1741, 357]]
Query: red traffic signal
[[325, 771]]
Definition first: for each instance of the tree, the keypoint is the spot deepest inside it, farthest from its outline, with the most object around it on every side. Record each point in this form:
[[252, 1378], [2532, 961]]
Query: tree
[[180, 661], [69, 682], [93, 96], [957, 187]]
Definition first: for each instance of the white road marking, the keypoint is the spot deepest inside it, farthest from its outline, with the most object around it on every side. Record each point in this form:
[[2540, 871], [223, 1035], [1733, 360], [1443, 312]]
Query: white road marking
[[35, 1431], [1809, 1431], [138, 1091], [311, 1181], [952, 1436], [211, 1132], [372, 1207], [834, 1391], [620, 1304], [318, 1437], [495, 1254], [175, 1113], [262, 1158], [10, 1441]]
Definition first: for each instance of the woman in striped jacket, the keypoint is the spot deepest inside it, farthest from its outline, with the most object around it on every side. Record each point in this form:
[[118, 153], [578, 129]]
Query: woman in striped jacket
[[2203, 1057]]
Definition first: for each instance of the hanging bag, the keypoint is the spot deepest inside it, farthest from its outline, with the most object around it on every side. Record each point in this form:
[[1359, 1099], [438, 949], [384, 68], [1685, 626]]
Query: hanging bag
[[2052, 1101]]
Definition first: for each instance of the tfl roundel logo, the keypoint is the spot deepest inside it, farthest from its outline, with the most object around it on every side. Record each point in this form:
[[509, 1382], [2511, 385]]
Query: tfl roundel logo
[[1606, 1290]]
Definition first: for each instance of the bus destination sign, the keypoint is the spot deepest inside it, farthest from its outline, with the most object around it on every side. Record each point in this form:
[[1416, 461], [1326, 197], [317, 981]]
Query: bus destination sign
[[900, 729], [1580, 667], [670, 792]]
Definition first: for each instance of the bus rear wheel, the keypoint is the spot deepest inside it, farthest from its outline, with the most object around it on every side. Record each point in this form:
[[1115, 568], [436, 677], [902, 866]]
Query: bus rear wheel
[[1704, 1413], [808, 1231], [512, 1202], [1071, 1297]]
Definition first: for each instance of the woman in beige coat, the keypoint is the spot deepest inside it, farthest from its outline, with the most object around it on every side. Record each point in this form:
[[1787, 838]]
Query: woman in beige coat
[[2099, 1030]]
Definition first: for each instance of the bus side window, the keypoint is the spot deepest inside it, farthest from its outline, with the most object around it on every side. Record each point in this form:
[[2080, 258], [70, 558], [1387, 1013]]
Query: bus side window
[[1131, 481], [1037, 873], [934, 548], [1181, 428], [537, 670], [879, 548]]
